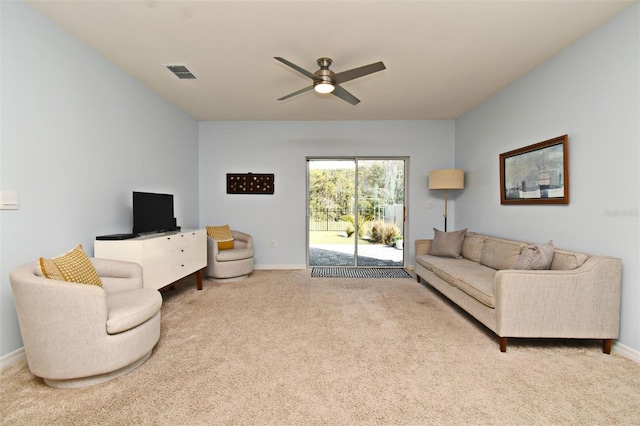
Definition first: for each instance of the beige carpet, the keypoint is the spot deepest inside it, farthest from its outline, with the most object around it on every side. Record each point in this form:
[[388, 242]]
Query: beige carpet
[[283, 348]]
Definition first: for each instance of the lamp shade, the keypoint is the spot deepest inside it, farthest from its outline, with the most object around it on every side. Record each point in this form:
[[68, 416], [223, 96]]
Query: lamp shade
[[446, 179]]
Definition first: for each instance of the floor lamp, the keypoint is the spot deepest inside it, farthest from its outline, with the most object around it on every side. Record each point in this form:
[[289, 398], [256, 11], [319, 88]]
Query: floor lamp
[[446, 179]]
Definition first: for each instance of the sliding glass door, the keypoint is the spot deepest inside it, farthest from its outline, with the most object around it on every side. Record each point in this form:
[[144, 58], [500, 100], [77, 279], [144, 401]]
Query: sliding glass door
[[356, 211]]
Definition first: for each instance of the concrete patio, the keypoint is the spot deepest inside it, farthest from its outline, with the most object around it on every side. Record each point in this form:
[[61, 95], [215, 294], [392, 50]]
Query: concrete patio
[[343, 255]]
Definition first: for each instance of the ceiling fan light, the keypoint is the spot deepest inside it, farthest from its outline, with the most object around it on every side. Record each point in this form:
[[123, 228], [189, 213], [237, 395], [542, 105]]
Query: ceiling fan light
[[324, 87]]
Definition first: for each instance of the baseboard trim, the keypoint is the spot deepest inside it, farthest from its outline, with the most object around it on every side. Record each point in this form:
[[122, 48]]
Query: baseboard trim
[[12, 358], [626, 352], [268, 267]]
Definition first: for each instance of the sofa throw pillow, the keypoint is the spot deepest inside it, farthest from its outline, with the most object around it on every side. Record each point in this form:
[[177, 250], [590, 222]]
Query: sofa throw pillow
[[222, 234], [447, 244], [536, 257], [73, 266]]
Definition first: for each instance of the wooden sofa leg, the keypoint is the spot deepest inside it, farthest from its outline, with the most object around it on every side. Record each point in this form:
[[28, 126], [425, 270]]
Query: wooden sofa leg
[[418, 277], [503, 344], [606, 346]]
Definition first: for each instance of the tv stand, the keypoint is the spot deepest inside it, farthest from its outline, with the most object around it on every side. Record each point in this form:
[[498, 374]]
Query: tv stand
[[165, 258]]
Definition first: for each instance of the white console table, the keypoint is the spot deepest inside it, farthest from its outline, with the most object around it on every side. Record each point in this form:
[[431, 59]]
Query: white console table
[[165, 258]]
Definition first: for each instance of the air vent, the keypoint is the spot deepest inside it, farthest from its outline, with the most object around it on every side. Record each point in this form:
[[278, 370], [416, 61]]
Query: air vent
[[181, 72]]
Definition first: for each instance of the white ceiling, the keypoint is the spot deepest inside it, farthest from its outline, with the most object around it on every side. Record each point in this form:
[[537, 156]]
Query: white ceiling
[[442, 57]]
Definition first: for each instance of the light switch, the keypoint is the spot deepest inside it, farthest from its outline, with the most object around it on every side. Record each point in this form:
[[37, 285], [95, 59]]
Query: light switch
[[8, 200]]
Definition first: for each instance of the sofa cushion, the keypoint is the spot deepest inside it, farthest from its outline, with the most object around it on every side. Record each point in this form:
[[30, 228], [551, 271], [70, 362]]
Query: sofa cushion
[[222, 234], [535, 257], [445, 267], [472, 246], [564, 260], [129, 309], [479, 283], [499, 253], [235, 254], [73, 266], [447, 244], [424, 260]]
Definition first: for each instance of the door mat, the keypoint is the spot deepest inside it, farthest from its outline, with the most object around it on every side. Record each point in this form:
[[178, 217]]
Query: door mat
[[325, 272]]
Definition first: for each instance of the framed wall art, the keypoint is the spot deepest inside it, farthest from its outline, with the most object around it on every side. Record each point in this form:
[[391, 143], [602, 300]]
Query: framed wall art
[[536, 174], [250, 183]]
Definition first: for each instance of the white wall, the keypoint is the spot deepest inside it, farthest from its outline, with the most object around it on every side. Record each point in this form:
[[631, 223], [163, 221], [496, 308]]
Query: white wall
[[590, 92], [78, 135], [282, 147]]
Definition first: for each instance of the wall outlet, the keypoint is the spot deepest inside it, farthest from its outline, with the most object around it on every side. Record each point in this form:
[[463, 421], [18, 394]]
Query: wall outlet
[[9, 200], [429, 205], [273, 243]]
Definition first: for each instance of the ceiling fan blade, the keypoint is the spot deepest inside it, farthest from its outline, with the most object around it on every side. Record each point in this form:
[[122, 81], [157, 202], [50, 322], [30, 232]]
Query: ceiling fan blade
[[297, 68], [306, 89], [343, 76], [344, 95]]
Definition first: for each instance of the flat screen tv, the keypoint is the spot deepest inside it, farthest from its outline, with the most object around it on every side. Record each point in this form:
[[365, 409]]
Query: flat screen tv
[[152, 213]]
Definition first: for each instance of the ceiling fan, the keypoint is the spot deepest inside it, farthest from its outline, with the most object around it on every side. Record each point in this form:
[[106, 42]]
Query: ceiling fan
[[326, 81]]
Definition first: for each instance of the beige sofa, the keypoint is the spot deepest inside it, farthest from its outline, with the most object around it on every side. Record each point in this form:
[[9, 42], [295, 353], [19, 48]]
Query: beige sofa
[[578, 297]]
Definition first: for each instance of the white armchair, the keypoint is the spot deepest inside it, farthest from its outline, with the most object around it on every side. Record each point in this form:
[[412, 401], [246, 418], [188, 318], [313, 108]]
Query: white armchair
[[77, 335], [231, 264]]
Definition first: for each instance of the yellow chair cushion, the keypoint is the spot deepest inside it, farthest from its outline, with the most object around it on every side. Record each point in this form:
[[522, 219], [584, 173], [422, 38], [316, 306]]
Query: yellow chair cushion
[[222, 234], [73, 266]]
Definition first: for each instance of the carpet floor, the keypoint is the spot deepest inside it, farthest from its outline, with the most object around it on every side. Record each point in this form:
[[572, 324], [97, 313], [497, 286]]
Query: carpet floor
[[283, 348]]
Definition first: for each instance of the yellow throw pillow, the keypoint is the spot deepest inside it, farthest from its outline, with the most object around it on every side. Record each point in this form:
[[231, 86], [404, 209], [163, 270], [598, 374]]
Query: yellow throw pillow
[[222, 234], [73, 266]]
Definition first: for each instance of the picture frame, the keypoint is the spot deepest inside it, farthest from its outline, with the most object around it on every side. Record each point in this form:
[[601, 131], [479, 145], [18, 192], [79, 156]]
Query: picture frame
[[250, 183], [536, 174]]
